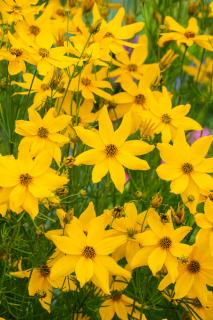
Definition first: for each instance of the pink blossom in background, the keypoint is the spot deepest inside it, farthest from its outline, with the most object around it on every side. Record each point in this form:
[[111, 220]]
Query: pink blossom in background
[[194, 135]]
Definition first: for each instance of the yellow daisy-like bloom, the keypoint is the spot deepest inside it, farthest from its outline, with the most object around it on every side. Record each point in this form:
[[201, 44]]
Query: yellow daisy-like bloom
[[89, 256], [29, 180], [188, 35], [205, 222], [111, 151], [42, 134], [128, 225], [186, 166], [161, 245], [167, 119], [195, 274]]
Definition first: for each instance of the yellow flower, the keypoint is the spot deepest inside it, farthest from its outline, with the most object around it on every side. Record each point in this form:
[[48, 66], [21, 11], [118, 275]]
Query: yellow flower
[[167, 60], [89, 85], [138, 97], [16, 55], [129, 225], [195, 274], [29, 180], [42, 134], [188, 35], [110, 150], [205, 222], [200, 72], [186, 166], [167, 119], [131, 66], [47, 87], [161, 245], [117, 303], [87, 254]]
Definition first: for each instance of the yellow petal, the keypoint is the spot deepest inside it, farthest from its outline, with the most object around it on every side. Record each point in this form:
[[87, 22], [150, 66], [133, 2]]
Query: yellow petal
[[156, 260], [117, 174], [84, 270], [63, 266], [99, 171], [90, 157]]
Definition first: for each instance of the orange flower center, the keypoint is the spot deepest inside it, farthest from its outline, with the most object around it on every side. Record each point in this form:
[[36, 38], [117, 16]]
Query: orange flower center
[[43, 52], [189, 34], [140, 99], [25, 179], [85, 81], [165, 243], [131, 232], [44, 271], [166, 118], [132, 67], [193, 266], [111, 150], [108, 35], [34, 30], [16, 52], [187, 168], [89, 252], [42, 132]]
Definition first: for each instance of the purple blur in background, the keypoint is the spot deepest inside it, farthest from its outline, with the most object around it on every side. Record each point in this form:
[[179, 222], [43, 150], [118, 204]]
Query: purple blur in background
[[194, 135]]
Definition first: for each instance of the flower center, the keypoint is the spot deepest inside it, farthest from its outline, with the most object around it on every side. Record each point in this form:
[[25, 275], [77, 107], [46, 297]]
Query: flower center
[[165, 243], [189, 34], [116, 295], [166, 118], [193, 266], [85, 81], [132, 67], [44, 271], [45, 86], [42, 132], [89, 252], [43, 52], [118, 212], [111, 150], [131, 232], [108, 35], [140, 99], [60, 12], [16, 52], [187, 168], [34, 30], [25, 179]]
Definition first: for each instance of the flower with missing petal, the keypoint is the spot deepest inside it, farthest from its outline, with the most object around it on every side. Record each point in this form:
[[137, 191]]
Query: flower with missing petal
[[111, 152]]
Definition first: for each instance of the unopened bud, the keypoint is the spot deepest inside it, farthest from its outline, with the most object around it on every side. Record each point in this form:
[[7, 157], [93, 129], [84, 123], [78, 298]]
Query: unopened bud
[[138, 194], [83, 193], [156, 201], [69, 161]]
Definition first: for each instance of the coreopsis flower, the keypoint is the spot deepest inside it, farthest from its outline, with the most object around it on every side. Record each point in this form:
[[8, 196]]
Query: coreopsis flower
[[40, 283], [29, 180], [128, 225], [186, 166], [138, 98], [188, 35], [119, 304], [111, 152], [89, 85], [195, 274], [205, 222], [16, 55], [43, 134], [46, 56], [130, 66], [161, 245], [42, 88], [200, 72], [167, 119], [13, 11], [89, 256]]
